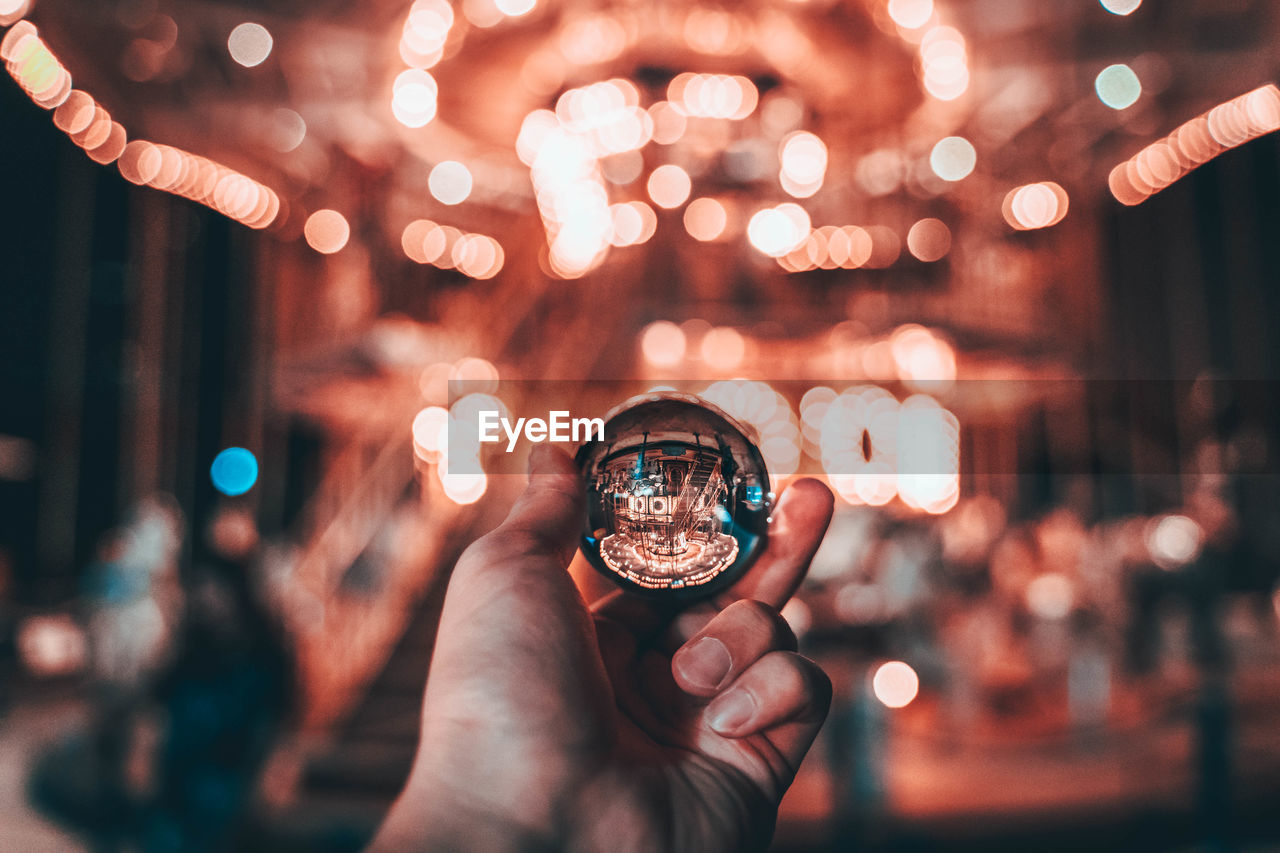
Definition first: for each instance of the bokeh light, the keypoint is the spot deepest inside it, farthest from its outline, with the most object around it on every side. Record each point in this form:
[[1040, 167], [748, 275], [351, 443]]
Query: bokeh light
[[895, 684], [1173, 541], [705, 219], [723, 348], [663, 344], [775, 231], [1118, 86], [669, 186], [450, 182], [414, 97], [929, 240], [13, 10], [1033, 206], [911, 14], [234, 471], [953, 159], [515, 8], [327, 231], [249, 44], [1121, 7], [1051, 596]]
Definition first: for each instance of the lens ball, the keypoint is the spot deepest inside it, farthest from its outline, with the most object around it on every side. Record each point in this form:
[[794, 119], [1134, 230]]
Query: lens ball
[[677, 497]]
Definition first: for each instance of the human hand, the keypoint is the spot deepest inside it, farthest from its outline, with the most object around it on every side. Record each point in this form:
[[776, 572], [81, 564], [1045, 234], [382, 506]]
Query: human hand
[[548, 724]]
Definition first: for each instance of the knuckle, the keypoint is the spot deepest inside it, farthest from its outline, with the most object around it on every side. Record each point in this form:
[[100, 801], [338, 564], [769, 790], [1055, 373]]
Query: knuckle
[[766, 621], [812, 681]]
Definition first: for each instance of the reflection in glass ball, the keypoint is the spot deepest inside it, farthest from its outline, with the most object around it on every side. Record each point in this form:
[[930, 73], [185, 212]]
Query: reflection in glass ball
[[677, 497]]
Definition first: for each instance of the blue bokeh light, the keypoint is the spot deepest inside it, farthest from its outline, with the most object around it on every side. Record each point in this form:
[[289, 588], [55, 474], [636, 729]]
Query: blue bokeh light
[[234, 471]]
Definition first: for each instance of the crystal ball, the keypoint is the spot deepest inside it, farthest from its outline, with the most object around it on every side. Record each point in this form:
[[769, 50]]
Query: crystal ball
[[678, 497]]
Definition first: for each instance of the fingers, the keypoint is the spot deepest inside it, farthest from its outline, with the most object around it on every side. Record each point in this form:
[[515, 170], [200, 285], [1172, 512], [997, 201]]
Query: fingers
[[730, 643], [544, 521], [745, 658], [799, 523], [781, 687]]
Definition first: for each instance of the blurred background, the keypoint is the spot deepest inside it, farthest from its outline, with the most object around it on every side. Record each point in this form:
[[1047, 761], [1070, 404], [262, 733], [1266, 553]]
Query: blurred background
[[246, 248]]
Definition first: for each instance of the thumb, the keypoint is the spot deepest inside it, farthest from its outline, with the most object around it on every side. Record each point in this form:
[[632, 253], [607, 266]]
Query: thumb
[[542, 527]]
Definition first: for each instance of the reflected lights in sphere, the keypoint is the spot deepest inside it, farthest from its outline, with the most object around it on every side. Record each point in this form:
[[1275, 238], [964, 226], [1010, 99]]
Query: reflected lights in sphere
[[326, 231], [929, 240], [705, 219], [450, 182], [669, 186], [1118, 86], [663, 344], [234, 471], [677, 497], [953, 159], [1121, 7], [895, 684], [249, 44]]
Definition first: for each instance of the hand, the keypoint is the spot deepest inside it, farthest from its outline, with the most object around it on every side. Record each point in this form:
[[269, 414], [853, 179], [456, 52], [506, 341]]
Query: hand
[[551, 725]]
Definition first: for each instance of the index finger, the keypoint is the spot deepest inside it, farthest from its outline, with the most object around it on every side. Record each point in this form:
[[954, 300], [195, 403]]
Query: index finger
[[798, 526]]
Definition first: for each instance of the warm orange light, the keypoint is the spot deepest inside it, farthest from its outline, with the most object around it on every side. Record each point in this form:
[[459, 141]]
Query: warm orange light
[[75, 113], [13, 10], [929, 240], [669, 186], [803, 163], [911, 14], [450, 182], [111, 146], [1033, 206], [327, 231], [430, 432], [1194, 143], [249, 44], [775, 231], [723, 348], [895, 684], [705, 219], [413, 99], [713, 95], [414, 236], [663, 344], [953, 158]]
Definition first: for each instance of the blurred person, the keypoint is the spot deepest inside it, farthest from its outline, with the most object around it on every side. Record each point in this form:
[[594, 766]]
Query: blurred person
[[130, 602], [227, 695], [629, 726]]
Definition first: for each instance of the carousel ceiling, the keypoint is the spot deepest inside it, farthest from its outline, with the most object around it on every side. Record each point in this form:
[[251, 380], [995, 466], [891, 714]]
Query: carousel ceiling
[[820, 134]]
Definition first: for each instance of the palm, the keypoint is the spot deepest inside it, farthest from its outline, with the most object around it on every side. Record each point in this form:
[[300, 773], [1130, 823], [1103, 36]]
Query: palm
[[552, 720]]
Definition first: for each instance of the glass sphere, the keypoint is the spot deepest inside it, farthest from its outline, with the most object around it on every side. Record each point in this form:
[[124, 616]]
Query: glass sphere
[[677, 497]]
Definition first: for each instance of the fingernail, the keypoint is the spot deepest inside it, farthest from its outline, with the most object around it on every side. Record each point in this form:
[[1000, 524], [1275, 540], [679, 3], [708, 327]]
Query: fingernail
[[730, 711], [703, 664]]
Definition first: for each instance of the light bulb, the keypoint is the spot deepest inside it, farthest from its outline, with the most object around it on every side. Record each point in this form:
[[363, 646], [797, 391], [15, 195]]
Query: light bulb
[[678, 497]]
